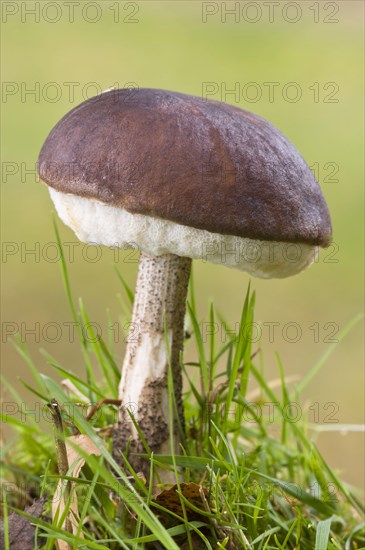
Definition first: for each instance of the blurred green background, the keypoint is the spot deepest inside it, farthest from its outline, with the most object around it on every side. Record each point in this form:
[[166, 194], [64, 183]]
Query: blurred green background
[[180, 46]]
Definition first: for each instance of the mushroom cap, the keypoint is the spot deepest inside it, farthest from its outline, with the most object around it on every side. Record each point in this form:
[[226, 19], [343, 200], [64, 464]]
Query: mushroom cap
[[182, 161]]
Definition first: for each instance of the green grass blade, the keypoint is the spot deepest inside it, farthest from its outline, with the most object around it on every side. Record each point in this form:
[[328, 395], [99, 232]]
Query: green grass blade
[[5, 522], [126, 287], [23, 351], [80, 384], [323, 533], [65, 277], [239, 353], [93, 340], [200, 346], [322, 361]]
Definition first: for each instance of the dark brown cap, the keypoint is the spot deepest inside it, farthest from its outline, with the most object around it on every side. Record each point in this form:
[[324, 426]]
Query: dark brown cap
[[196, 162]]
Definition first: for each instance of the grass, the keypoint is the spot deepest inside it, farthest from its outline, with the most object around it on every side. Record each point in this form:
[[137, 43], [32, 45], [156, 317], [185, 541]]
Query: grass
[[248, 476]]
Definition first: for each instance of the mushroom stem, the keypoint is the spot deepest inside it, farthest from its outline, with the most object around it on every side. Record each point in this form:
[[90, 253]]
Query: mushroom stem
[[161, 291]]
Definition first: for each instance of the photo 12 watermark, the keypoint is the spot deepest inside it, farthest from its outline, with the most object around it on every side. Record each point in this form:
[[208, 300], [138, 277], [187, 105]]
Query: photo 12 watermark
[[272, 91], [250, 253], [54, 12], [91, 332], [210, 172], [247, 12], [248, 413], [72, 92]]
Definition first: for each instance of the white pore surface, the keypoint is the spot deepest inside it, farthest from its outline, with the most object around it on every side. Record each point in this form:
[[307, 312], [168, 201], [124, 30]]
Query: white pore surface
[[98, 223]]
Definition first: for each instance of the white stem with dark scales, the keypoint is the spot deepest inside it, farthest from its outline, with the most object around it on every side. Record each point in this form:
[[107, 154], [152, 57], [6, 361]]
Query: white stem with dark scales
[[161, 291]]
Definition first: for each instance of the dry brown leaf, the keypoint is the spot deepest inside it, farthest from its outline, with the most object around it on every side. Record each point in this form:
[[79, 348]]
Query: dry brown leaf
[[76, 461], [169, 498], [21, 530]]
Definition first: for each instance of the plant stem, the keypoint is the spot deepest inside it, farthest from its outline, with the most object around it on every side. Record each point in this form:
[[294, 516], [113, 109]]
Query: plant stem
[[61, 452]]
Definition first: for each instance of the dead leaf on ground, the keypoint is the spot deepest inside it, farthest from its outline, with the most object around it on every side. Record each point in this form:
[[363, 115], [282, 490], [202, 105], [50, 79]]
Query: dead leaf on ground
[[170, 499], [197, 543], [21, 531]]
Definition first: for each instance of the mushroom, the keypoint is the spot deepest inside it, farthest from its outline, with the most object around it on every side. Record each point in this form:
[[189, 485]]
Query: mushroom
[[182, 178]]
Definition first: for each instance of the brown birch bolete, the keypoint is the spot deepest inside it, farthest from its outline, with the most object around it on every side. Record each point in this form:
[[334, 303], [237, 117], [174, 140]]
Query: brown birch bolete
[[181, 178]]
